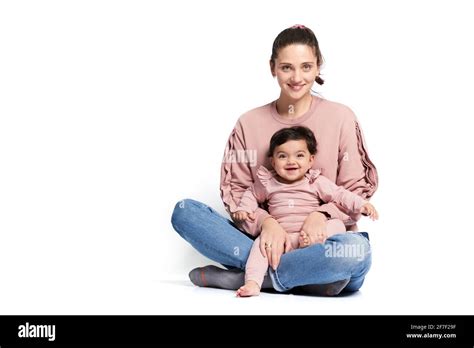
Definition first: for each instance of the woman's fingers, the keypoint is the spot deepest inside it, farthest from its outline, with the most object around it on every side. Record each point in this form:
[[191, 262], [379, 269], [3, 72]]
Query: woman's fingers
[[269, 256], [276, 255], [288, 246], [262, 247], [274, 252], [275, 259], [272, 242]]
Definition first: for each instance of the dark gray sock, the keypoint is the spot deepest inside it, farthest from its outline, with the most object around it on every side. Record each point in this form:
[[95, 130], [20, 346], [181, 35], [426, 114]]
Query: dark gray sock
[[267, 282], [331, 289], [215, 277]]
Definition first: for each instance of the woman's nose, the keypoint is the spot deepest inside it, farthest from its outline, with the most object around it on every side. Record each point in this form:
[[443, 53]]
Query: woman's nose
[[296, 76]]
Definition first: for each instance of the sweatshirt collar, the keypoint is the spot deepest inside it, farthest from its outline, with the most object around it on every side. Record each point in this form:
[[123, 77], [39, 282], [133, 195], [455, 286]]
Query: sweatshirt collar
[[316, 100]]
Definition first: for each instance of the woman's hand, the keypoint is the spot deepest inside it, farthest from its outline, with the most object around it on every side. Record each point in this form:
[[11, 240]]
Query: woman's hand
[[315, 227], [273, 242]]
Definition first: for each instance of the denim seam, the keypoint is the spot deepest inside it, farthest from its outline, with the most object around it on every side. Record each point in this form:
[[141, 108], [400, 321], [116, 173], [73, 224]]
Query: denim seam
[[279, 284]]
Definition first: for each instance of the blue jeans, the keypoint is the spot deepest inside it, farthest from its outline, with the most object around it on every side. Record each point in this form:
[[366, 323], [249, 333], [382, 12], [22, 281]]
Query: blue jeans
[[342, 256]]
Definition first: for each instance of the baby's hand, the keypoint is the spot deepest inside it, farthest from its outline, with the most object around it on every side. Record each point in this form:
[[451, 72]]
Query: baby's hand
[[369, 209], [240, 215]]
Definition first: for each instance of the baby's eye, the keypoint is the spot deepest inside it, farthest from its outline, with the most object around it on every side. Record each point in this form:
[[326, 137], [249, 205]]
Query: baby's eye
[[281, 156], [301, 155]]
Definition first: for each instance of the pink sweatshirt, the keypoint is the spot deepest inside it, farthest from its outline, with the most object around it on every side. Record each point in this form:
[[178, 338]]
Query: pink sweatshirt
[[341, 156], [290, 204]]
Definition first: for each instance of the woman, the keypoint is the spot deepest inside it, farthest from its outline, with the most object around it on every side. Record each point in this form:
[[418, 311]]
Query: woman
[[295, 62]]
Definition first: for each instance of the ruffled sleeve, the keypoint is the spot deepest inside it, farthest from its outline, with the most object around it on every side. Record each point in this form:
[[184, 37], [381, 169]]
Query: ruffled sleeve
[[265, 176], [236, 178], [312, 175], [356, 172]]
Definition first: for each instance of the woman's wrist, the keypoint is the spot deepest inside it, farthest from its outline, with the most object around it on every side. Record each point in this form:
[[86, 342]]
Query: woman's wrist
[[268, 221]]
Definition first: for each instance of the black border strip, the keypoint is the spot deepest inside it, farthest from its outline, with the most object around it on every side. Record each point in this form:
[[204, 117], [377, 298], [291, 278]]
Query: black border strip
[[241, 330]]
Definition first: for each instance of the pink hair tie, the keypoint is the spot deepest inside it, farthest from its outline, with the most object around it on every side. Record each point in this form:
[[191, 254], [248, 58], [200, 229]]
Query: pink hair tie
[[298, 26]]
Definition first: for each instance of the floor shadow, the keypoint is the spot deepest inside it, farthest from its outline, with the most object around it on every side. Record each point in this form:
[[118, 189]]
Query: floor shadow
[[300, 292], [296, 291]]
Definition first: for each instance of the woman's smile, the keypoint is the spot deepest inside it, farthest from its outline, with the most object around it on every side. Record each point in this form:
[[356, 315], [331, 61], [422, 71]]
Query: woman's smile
[[296, 88]]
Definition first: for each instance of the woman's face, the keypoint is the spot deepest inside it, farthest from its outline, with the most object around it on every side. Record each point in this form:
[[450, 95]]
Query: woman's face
[[295, 69], [291, 160]]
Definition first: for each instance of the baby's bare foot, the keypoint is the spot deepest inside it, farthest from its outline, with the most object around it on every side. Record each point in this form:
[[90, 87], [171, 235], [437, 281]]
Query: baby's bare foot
[[304, 240], [250, 288]]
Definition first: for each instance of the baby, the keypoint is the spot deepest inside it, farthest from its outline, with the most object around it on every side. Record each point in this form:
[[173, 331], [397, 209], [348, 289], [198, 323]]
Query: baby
[[292, 190]]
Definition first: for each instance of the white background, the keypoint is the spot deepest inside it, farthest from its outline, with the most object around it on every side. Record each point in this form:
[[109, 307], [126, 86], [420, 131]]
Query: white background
[[112, 111]]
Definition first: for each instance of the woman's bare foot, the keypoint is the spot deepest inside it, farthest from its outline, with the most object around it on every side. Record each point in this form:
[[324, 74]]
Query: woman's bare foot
[[304, 240], [250, 288]]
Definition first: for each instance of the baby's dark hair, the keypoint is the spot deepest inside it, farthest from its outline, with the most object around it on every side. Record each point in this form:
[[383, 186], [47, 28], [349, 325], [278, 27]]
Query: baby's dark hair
[[297, 34], [293, 133]]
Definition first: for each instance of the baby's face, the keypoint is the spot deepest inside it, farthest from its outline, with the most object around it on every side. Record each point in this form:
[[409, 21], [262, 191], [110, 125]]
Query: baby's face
[[292, 160]]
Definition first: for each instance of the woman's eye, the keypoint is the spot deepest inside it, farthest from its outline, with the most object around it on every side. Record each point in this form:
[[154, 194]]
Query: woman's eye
[[285, 68], [307, 67]]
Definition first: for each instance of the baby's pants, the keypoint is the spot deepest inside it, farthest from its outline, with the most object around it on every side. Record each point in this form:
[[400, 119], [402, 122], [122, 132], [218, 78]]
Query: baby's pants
[[257, 264]]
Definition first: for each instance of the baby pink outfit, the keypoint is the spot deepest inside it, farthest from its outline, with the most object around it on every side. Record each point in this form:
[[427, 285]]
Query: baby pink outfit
[[290, 205]]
